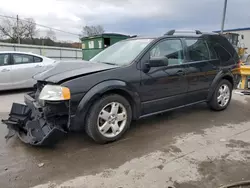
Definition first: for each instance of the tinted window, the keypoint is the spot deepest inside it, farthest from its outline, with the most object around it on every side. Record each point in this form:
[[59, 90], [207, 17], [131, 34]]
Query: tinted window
[[4, 59], [197, 50], [212, 52], [22, 58], [172, 49], [222, 52], [37, 59], [222, 44]]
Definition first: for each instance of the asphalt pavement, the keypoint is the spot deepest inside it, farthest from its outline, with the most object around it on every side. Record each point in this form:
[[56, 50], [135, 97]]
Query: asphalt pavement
[[187, 148]]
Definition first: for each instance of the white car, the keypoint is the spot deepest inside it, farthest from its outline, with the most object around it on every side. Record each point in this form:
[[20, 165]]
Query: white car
[[18, 68]]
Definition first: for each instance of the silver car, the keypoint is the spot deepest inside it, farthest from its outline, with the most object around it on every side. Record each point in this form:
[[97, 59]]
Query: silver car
[[18, 68]]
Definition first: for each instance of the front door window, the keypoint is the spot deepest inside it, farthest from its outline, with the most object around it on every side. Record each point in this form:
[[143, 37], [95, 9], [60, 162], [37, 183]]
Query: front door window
[[172, 49]]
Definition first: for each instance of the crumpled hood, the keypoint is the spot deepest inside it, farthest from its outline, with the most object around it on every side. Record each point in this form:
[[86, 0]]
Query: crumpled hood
[[66, 70]]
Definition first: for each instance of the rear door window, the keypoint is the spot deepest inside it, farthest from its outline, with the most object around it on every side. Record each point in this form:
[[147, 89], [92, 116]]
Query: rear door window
[[22, 59], [197, 50], [213, 54], [4, 59]]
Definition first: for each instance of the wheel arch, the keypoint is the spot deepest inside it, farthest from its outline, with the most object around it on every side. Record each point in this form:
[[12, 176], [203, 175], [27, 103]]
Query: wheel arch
[[127, 96], [220, 76], [229, 78], [100, 90]]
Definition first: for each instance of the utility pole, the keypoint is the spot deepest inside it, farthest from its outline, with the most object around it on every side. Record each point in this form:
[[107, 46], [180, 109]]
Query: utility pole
[[223, 16], [80, 44], [17, 25]]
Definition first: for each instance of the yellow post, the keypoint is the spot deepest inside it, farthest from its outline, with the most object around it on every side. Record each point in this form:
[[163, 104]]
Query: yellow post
[[243, 81], [244, 71]]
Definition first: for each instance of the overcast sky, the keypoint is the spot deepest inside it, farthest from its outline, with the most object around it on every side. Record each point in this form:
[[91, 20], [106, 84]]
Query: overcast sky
[[141, 17]]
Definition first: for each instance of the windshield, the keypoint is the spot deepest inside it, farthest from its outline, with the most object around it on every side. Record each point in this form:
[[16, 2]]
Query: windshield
[[122, 53]]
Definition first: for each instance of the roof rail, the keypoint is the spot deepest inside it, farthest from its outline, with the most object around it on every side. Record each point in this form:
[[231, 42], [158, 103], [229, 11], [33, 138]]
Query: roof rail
[[172, 32]]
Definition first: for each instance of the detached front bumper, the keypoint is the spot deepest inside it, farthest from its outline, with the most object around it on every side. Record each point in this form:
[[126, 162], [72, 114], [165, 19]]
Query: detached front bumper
[[37, 125]]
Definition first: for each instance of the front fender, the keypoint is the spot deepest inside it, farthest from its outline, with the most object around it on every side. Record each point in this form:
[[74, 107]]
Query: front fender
[[216, 81], [96, 92]]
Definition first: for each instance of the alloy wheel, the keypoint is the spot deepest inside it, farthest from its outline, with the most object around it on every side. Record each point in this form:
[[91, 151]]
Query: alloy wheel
[[223, 95], [112, 119]]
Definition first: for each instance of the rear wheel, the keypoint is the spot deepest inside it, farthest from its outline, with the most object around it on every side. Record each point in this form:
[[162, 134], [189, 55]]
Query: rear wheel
[[222, 96], [109, 118]]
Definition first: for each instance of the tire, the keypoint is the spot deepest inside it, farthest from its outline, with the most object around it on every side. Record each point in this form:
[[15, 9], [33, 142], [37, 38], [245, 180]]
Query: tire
[[100, 113], [215, 103]]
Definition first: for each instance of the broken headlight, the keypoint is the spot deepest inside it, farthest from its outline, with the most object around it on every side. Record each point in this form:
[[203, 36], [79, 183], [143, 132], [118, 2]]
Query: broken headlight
[[54, 93]]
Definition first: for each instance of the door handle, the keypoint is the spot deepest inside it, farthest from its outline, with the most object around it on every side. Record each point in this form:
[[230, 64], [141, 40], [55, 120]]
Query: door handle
[[180, 73], [37, 66], [5, 70]]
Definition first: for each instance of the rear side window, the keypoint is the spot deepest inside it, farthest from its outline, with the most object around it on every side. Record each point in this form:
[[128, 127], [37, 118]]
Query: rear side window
[[224, 49], [197, 50], [37, 59], [222, 53]]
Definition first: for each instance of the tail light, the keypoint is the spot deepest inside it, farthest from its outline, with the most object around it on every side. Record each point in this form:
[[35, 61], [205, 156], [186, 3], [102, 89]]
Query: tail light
[[239, 64]]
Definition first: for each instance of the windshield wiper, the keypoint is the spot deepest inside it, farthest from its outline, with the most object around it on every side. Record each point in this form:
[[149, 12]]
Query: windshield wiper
[[108, 63]]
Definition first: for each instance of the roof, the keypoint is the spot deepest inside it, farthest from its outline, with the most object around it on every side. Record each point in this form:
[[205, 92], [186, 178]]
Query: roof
[[105, 34], [36, 46], [20, 52], [235, 29], [176, 35]]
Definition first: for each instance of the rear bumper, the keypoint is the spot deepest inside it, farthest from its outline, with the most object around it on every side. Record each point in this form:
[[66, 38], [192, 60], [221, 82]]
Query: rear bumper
[[34, 124]]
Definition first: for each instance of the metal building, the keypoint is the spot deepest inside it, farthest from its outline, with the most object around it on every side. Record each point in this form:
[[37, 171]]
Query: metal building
[[95, 44]]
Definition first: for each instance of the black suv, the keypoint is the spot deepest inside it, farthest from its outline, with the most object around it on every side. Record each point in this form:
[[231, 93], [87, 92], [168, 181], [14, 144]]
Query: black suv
[[131, 79]]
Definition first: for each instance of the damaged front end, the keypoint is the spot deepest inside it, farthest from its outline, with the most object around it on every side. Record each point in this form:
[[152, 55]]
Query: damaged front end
[[39, 122]]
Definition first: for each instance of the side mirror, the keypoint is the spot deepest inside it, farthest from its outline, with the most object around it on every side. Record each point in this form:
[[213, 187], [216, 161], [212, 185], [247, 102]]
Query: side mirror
[[158, 62]]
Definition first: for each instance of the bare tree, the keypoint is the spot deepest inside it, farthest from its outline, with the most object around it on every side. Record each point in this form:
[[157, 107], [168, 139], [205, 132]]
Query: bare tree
[[8, 29], [92, 30], [25, 29], [51, 34], [31, 28]]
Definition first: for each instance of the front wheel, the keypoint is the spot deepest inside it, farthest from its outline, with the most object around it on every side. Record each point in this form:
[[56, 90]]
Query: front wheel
[[109, 118], [222, 96]]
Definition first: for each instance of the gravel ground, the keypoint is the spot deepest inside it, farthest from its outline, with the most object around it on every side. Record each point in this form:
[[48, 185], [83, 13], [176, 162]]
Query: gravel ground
[[187, 148]]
